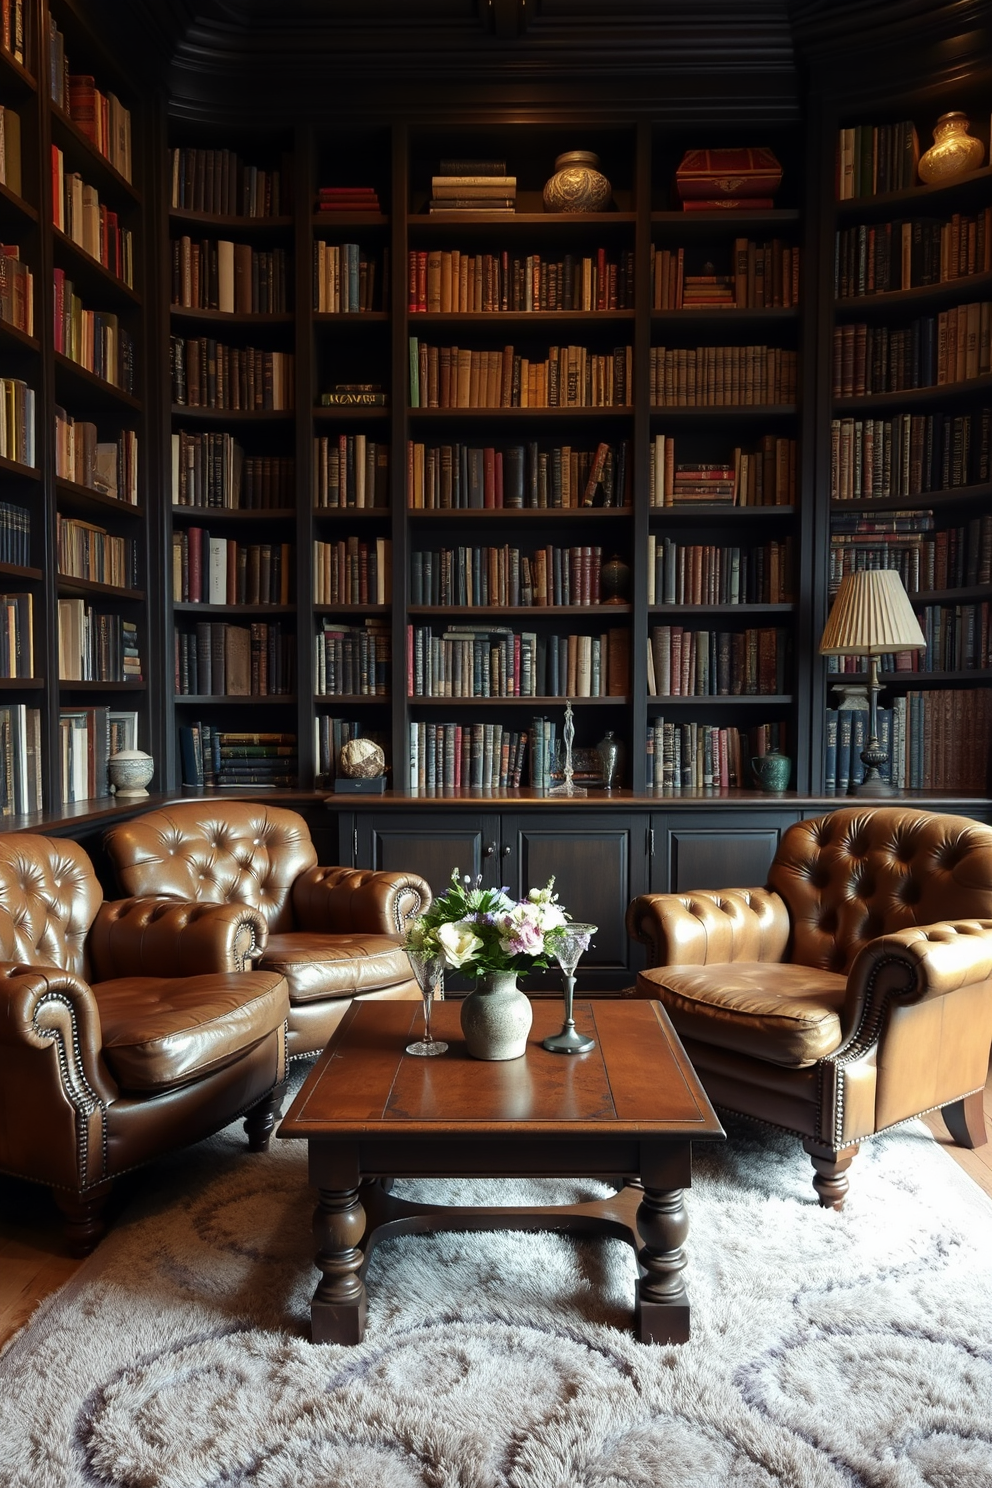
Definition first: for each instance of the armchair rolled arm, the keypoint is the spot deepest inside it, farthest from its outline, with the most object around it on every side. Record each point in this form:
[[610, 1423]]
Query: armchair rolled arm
[[169, 937], [709, 926], [360, 900], [912, 965]]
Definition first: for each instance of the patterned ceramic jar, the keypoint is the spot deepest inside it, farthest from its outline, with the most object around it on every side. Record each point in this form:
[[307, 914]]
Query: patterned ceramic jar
[[577, 185]]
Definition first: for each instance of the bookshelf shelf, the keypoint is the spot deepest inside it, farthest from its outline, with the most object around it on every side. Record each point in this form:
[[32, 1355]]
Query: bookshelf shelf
[[86, 588], [237, 700], [914, 679], [560, 224], [89, 385], [926, 397], [336, 414], [702, 413], [94, 166], [235, 515], [336, 700], [894, 302], [349, 220], [539, 320], [721, 609], [938, 196], [533, 612], [89, 274], [15, 468], [85, 499], [514, 514], [14, 74], [231, 317], [729, 316], [456, 704], [722, 700], [715, 512], [69, 685], [352, 609], [14, 209], [21, 684], [211, 220], [962, 595], [512, 415], [341, 318], [956, 496], [232, 610], [688, 225], [16, 571], [17, 340], [232, 415]]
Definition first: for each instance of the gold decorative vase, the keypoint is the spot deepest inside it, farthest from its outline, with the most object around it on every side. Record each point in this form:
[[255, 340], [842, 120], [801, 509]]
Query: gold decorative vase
[[953, 151], [577, 184]]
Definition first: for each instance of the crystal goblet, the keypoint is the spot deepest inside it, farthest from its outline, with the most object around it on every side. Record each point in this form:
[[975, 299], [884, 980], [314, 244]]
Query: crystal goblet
[[429, 971], [571, 944]]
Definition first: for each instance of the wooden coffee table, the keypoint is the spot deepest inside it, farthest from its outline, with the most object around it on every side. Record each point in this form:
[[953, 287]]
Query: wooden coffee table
[[630, 1109]]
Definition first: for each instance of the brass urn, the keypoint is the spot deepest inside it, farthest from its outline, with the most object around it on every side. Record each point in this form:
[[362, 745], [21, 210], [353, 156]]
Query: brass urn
[[953, 151]]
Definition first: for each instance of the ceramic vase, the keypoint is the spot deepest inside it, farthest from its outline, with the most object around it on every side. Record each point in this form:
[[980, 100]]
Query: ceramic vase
[[953, 151], [130, 771], [577, 185], [496, 1017]]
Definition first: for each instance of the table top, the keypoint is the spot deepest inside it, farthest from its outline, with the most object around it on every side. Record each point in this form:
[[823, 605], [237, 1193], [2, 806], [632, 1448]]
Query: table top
[[637, 1080]]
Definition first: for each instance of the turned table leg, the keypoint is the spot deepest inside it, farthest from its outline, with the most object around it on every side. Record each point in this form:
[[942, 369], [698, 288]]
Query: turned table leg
[[661, 1312], [339, 1305]]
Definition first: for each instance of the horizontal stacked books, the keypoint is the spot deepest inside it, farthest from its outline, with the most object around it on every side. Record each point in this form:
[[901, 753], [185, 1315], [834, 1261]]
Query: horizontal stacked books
[[473, 186], [10, 149], [875, 158], [495, 661], [17, 415], [506, 576], [694, 756], [218, 570], [909, 454], [694, 574], [741, 179], [517, 476], [352, 660], [894, 541], [207, 374], [232, 278], [352, 571], [84, 737], [875, 258], [95, 647], [348, 199], [78, 212], [219, 183], [330, 737], [355, 395], [763, 276], [712, 663], [571, 377], [20, 749], [213, 470], [16, 290], [222, 757], [350, 471], [954, 346], [15, 535], [721, 376], [102, 117], [86, 551], [223, 660], [16, 635], [766, 477], [344, 278], [480, 756], [93, 339], [110, 467], [443, 283]]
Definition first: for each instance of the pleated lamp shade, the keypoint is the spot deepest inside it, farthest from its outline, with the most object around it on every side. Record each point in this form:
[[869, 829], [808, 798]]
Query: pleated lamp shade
[[871, 615]]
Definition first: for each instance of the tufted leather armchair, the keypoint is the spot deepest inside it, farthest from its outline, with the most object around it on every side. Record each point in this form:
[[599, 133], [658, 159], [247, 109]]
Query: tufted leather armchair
[[126, 1029], [333, 933], [852, 992]]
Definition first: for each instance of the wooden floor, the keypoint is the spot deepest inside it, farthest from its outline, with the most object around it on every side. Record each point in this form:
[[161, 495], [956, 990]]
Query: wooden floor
[[33, 1260]]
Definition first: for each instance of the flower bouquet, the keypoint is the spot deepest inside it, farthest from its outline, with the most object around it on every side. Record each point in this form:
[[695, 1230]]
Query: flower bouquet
[[480, 931]]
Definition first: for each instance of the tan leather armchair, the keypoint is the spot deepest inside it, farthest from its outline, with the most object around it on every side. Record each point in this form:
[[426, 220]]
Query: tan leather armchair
[[333, 933], [852, 992], [125, 1029]]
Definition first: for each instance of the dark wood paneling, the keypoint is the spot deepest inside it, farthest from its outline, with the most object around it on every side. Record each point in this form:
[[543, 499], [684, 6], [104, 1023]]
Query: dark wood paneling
[[431, 845], [716, 856]]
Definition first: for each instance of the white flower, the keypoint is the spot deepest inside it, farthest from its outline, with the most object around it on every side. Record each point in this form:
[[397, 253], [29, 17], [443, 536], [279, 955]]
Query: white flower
[[459, 943], [550, 917]]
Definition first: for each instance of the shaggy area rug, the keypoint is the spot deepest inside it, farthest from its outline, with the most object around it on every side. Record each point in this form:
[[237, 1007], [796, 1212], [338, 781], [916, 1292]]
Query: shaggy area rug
[[826, 1349]]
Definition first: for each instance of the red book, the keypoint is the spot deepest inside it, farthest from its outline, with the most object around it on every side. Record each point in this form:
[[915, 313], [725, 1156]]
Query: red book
[[729, 204], [743, 172]]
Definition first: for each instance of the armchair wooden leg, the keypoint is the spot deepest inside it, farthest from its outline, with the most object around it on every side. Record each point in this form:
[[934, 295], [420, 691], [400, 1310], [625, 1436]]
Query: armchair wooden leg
[[260, 1121], [83, 1214], [965, 1120], [831, 1172]]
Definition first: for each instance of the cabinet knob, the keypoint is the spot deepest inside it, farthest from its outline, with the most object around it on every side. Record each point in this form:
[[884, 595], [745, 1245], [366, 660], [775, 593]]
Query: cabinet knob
[[489, 850], [507, 850]]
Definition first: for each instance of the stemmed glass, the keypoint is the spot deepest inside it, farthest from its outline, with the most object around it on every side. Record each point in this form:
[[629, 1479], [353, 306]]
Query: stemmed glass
[[429, 971], [570, 945]]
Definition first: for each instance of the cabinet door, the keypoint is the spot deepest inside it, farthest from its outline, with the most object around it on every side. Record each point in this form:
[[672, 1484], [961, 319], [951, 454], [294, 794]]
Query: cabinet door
[[599, 863], [430, 843], [691, 851]]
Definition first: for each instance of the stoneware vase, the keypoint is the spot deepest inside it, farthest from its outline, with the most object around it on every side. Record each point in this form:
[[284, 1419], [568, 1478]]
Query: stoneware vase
[[130, 771], [496, 1017]]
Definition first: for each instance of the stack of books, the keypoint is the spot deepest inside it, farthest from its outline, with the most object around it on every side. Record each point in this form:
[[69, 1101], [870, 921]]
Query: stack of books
[[708, 483], [473, 186], [744, 179], [347, 199], [708, 290]]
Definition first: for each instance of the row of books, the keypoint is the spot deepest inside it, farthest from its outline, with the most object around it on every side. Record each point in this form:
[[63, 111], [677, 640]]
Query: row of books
[[84, 743], [517, 476], [330, 737], [102, 117], [469, 576], [570, 377], [13, 34], [20, 759], [233, 278], [708, 574], [15, 535], [207, 569], [909, 454], [345, 279], [698, 756], [352, 660], [16, 635], [763, 276], [721, 376], [95, 646], [935, 740], [94, 339], [954, 346], [442, 282], [350, 470], [86, 551], [478, 662], [10, 149], [212, 470], [16, 289], [17, 421], [767, 476], [957, 638], [108, 466], [78, 212], [476, 756], [875, 158], [353, 571], [717, 663], [227, 757], [219, 183], [953, 558], [219, 659], [877, 258], [208, 374]]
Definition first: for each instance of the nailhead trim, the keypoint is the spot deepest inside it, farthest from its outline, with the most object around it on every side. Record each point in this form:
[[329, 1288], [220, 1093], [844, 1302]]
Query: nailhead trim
[[865, 1035], [82, 1095]]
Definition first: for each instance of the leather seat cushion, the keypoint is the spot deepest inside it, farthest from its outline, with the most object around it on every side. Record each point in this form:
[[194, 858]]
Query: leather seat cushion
[[317, 966], [161, 1033], [784, 1014]]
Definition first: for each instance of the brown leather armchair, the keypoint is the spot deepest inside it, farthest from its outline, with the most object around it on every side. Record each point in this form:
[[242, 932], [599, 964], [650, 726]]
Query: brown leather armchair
[[125, 1029], [333, 933], [851, 993]]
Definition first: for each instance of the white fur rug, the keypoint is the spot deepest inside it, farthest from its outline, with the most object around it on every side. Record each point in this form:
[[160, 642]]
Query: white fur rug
[[827, 1350]]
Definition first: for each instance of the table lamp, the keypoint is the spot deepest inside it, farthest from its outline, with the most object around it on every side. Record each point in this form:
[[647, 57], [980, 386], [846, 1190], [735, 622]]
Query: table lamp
[[872, 615]]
